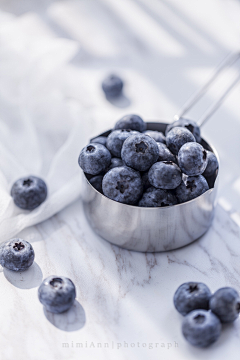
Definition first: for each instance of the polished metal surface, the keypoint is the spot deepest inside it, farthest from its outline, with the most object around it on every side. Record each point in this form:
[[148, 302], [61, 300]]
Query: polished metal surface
[[150, 229]]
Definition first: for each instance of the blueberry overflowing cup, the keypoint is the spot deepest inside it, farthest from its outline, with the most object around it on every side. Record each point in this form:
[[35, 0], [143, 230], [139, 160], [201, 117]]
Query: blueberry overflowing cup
[[177, 221]]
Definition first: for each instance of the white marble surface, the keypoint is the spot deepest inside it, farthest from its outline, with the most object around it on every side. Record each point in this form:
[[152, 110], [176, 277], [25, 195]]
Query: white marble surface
[[165, 52]]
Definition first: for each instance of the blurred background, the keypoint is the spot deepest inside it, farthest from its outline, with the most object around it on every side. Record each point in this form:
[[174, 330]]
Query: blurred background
[[55, 54]]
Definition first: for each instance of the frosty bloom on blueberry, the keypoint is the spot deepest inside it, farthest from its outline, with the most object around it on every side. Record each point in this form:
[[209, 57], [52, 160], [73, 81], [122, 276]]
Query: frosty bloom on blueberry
[[157, 198], [116, 139], [16, 254], [94, 158], [192, 159], [123, 184], [189, 125], [132, 121], [165, 175], [57, 294], [201, 328], [177, 137], [156, 135], [29, 192], [140, 152], [225, 303]]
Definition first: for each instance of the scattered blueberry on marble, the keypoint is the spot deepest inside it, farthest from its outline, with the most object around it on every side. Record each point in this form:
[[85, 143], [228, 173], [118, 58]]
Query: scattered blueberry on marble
[[29, 192], [191, 296], [133, 122], [165, 175], [57, 294], [116, 139], [157, 198], [189, 125], [123, 184], [212, 164], [100, 140], [140, 152], [96, 182], [165, 154], [112, 86], [16, 254], [225, 304], [177, 137], [201, 328], [156, 135], [191, 187], [94, 158], [192, 159]]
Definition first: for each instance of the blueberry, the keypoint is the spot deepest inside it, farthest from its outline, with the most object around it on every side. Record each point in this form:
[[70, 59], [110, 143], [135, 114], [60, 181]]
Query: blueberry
[[156, 135], [157, 198], [57, 293], [192, 159], [201, 328], [140, 152], [212, 164], [94, 158], [100, 140], [133, 122], [115, 162], [189, 125], [177, 137], [116, 139], [16, 254], [123, 184], [191, 296], [165, 154], [191, 187], [29, 192], [165, 175], [96, 182], [112, 85], [225, 303]]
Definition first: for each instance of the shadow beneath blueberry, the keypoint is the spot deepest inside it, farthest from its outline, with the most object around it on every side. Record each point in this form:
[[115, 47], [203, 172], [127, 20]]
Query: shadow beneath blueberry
[[120, 101], [71, 320], [28, 279]]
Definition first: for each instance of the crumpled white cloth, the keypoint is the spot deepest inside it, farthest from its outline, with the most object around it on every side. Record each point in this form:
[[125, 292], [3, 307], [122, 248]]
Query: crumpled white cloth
[[42, 130]]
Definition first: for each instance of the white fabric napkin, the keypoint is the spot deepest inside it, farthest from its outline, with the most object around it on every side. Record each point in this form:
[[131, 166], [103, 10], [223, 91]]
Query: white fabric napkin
[[42, 130]]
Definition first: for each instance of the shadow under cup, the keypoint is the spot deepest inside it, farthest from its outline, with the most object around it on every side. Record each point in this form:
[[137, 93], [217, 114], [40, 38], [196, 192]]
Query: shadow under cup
[[150, 229]]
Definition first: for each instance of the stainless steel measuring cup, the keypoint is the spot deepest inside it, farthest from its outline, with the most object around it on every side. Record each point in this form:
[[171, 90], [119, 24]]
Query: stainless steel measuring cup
[[159, 228]]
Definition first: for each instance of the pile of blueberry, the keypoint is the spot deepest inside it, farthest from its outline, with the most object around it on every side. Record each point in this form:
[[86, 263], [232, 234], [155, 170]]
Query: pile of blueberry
[[205, 312], [136, 166], [56, 293]]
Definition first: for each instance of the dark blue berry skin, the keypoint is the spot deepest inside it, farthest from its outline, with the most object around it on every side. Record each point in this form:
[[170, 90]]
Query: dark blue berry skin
[[16, 254], [123, 184], [140, 152], [165, 175], [133, 122], [201, 328], [177, 137], [189, 125], [115, 162], [191, 296], [96, 182], [29, 192], [112, 86], [100, 140], [165, 154], [212, 164], [225, 304], [116, 139], [156, 135], [191, 187], [57, 294], [94, 158], [157, 198], [192, 159]]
